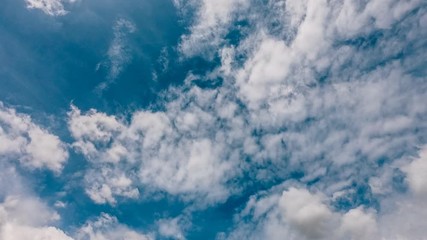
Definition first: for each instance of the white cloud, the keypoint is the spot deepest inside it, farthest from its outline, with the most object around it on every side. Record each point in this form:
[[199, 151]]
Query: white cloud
[[305, 212], [358, 224], [161, 151], [118, 53], [210, 24], [107, 227], [416, 173], [328, 108], [49, 7], [23, 216], [326, 98], [173, 228], [33, 146], [300, 214]]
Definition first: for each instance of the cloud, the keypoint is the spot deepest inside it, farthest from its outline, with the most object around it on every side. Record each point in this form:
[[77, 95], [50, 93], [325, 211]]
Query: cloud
[[118, 53], [210, 24], [23, 215], [330, 102], [25, 218], [300, 214], [186, 151], [403, 214], [49, 7], [415, 172], [33, 146], [173, 228], [107, 227]]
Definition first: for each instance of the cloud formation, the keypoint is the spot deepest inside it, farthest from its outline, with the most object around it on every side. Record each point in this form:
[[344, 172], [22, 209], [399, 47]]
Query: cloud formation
[[321, 102], [33, 146], [300, 214], [25, 218], [107, 227]]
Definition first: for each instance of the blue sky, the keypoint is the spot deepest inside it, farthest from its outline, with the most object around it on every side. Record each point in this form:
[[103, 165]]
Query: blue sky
[[213, 119]]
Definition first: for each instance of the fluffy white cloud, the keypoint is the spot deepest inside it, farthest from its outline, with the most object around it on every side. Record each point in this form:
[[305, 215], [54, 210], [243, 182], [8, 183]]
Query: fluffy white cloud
[[403, 214], [186, 151], [300, 214], [23, 216], [107, 227], [305, 212], [313, 96], [173, 228], [325, 96], [33, 146], [50, 7], [416, 173]]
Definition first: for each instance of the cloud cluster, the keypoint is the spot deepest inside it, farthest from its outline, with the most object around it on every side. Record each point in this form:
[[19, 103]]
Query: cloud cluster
[[187, 150], [33, 146], [327, 93], [25, 216], [300, 214], [296, 213]]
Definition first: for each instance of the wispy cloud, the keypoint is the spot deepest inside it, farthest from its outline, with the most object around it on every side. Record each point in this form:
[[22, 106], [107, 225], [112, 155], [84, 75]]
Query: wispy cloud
[[118, 54], [50, 7]]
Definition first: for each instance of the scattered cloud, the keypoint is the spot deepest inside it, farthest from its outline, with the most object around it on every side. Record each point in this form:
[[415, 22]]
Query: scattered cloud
[[322, 99]]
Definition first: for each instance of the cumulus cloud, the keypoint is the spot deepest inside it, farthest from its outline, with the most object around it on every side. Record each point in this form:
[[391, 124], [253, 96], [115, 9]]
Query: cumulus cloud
[[314, 97], [23, 215], [170, 151], [25, 141], [415, 172], [326, 92], [50, 7], [107, 227], [300, 214], [26, 218], [173, 228]]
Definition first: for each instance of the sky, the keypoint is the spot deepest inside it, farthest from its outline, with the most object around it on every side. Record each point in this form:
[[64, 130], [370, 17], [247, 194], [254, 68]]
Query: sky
[[213, 119]]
